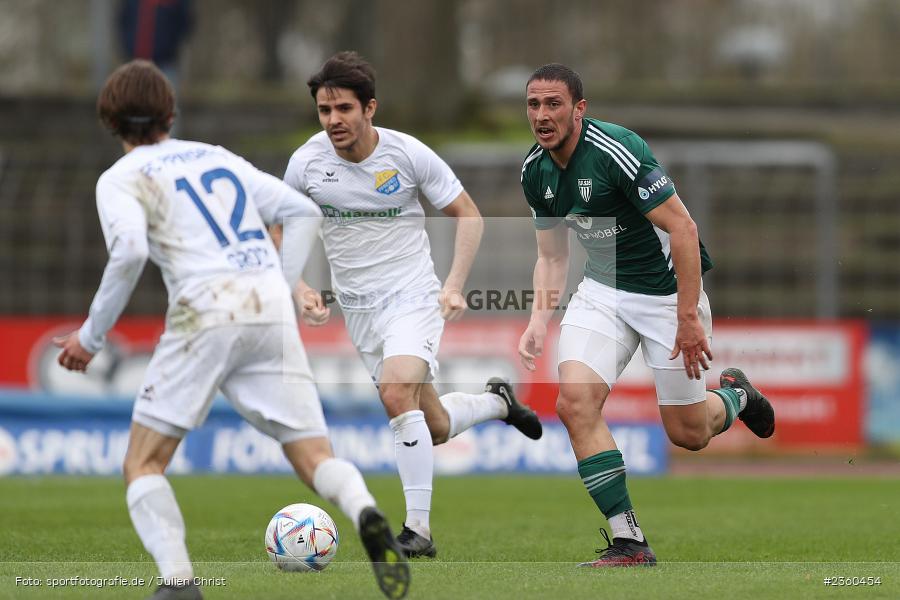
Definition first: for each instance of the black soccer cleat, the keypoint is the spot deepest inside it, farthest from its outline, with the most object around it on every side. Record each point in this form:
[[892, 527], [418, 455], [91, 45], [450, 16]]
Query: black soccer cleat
[[177, 592], [388, 560], [520, 416], [758, 415], [415, 545], [622, 552]]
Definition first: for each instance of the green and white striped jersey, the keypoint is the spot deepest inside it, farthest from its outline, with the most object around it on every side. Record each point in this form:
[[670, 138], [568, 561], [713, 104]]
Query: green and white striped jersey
[[611, 182]]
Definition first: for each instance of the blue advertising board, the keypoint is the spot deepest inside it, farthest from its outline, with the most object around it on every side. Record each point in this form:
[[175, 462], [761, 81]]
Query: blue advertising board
[[41, 434], [883, 382]]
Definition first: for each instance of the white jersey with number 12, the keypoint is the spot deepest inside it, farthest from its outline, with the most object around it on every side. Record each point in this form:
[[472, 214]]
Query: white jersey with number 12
[[203, 211]]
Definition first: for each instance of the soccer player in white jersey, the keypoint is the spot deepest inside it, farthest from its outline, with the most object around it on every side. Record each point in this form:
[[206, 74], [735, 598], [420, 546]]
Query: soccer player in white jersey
[[200, 213], [367, 181]]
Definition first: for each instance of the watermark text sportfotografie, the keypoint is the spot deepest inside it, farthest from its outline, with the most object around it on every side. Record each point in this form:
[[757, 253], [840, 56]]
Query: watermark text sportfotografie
[[116, 581], [476, 300]]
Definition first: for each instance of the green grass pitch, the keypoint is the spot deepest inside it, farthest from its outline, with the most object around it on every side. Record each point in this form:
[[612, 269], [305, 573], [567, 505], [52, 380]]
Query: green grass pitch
[[497, 537]]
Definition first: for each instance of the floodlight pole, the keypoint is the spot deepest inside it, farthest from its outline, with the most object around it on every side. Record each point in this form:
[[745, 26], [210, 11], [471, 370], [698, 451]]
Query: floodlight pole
[[101, 12]]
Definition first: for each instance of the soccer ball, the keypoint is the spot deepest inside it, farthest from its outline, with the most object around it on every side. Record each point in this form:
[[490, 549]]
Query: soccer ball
[[301, 537]]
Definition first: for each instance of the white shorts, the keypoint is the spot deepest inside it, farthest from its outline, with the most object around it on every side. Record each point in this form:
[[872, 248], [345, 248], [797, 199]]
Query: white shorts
[[261, 369], [603, 326], [397, 330]]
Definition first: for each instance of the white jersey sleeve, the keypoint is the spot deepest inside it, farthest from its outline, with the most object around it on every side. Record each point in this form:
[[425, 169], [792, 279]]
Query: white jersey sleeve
[[278, 202], [300, 216], [298, 237], [124, 225], [295, 174], [434, 177], [275, 199]]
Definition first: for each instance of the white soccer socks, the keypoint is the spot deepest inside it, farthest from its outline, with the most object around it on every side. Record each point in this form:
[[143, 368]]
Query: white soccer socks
[[341, 483], [415, 463], [159, 524], [466, 410], [625, 525]]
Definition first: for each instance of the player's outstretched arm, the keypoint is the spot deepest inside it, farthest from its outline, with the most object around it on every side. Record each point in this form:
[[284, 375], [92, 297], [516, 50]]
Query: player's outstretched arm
[[469, 228], [300, 218], [690, 340], [127, 256], [549, 282]]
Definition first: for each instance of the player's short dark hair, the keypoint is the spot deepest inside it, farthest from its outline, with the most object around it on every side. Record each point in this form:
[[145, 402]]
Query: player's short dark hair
[[137, 103], [345, 70], [558, 72]]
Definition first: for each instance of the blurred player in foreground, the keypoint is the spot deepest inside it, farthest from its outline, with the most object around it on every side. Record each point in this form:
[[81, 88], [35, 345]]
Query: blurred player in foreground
[[367, 180], [200, 213], [601, 181]]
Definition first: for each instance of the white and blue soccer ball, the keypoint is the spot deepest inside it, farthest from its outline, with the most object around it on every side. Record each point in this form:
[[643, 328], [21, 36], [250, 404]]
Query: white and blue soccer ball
[[301, 537]]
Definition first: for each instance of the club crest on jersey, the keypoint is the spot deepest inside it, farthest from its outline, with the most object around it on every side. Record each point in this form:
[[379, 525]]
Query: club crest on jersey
[[387, 182], [585, 186]]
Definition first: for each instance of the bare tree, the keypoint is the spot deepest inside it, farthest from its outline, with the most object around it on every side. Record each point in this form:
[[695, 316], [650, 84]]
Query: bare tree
[[357, 28], [271, 18], [417, 59]]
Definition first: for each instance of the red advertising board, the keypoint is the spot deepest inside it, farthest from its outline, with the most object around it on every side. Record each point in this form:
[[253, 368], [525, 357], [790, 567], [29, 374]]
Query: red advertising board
[[811, 371]]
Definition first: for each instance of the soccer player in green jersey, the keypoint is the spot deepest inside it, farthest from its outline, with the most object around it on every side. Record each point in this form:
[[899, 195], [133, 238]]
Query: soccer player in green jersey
[[601, 181]]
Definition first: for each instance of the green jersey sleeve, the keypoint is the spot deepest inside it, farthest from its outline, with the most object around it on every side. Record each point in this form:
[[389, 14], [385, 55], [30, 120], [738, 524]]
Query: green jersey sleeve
[[540, 212], [649, 186]]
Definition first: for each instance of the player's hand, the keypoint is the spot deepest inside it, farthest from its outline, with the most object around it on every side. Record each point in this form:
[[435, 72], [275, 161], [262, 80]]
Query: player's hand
[[531, 344], [313, 309], [453, 304], [692, 344], [73, 356]]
